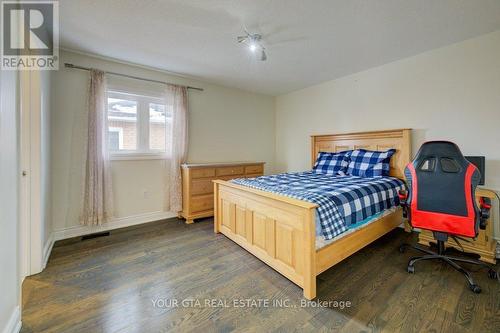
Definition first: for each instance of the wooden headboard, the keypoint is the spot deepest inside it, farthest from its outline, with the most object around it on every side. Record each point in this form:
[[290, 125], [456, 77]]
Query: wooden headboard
[[399, 139]]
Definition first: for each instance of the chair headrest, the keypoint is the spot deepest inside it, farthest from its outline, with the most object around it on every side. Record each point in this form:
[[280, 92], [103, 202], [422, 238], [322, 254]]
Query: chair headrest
[[441, 149]]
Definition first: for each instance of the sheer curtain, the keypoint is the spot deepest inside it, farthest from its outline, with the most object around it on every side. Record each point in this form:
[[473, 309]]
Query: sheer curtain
[[178, 144], [97, 190]]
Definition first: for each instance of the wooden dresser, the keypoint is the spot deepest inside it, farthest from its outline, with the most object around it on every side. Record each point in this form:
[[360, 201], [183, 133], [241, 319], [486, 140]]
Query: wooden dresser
[[198, 189], [484, 245]]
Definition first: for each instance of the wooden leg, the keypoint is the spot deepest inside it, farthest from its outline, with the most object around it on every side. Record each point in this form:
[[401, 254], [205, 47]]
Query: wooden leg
[[310, 256], [407, 226], [310, 290], [489, 259], [189, 221], [216, 222]]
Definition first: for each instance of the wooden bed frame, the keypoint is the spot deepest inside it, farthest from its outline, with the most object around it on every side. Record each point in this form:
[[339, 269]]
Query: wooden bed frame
[[280, 231]]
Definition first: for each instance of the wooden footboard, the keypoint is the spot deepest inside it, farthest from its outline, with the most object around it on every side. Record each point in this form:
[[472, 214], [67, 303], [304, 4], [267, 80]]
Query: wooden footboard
[[281, 231], [278, 230]]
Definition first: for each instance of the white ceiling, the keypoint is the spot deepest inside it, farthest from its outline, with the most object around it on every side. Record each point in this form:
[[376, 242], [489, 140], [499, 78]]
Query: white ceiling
[[308, 41]]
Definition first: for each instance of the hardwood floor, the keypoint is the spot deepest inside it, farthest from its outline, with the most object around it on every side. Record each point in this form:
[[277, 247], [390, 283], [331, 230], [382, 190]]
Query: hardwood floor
[[109, 284]]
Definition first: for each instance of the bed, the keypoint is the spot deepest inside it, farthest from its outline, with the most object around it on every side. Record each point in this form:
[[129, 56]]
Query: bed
[[281, 229]]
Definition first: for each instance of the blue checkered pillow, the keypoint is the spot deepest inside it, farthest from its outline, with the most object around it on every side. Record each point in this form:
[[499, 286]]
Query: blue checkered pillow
[[367, 163], [332, 163]]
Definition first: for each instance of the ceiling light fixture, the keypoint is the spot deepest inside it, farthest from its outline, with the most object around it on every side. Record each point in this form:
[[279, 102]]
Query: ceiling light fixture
[[253, 41]]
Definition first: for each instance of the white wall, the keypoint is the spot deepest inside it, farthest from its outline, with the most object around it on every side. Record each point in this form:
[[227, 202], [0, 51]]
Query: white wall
[[451, 93], [9, 230], [225, 124]]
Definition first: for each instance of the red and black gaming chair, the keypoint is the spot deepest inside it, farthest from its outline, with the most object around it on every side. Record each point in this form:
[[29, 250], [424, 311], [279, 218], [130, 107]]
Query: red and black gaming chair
[[441, 198]]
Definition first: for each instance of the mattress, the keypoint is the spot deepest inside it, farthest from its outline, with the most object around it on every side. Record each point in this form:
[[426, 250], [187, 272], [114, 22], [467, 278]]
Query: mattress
[[322, 242], [343, 201]]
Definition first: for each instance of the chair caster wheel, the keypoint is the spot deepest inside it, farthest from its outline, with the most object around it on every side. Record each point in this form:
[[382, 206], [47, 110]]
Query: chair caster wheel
[[410, 269], [492, 274], [475, 288], [402, 248]]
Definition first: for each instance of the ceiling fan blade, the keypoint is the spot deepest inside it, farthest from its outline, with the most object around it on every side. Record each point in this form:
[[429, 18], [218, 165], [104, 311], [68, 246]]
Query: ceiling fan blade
[[263, 56], [281, 42]]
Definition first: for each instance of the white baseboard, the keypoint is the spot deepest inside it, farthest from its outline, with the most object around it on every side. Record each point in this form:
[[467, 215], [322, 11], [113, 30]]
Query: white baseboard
[[47, 249], [116, 223], [14, 323]]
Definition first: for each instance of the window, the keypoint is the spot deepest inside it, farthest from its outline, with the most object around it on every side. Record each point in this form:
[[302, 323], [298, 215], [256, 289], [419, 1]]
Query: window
[[158, 126], [138, 125], [115, 138]]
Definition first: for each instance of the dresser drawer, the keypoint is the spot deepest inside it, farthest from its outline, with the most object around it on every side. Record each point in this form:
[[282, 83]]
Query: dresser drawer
[[203, 173], [198, 187], [253, 175], [202, 186], [201, 203], [228, 171], [230, 177], [254, 169]]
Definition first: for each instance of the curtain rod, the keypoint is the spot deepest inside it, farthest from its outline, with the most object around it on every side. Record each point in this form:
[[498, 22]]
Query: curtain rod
[[68, 65]]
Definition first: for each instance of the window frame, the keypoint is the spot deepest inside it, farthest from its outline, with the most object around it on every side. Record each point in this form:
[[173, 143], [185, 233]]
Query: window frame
[[142, 150]]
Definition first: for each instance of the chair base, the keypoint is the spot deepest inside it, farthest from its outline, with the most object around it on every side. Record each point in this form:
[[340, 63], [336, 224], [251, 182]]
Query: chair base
[[450, 260]]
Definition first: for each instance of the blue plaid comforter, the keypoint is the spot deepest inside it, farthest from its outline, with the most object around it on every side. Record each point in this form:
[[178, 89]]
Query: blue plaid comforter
[[342, 200]]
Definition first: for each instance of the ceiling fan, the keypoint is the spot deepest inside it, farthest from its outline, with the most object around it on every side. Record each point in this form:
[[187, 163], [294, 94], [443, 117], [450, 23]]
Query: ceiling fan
[[253, 41]]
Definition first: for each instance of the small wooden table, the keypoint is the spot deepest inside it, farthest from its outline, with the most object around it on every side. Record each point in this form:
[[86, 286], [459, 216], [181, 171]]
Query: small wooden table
[[198, 189], [484, 244]]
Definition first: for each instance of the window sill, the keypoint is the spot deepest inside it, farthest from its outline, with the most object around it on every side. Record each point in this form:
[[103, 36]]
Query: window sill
[[135, 157]]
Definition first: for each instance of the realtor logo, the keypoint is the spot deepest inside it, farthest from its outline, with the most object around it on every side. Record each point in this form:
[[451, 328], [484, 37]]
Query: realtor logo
[[30, 35]]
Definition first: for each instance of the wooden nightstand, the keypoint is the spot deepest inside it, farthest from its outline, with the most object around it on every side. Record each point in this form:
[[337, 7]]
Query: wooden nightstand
[[484, 245], [198, 189]]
